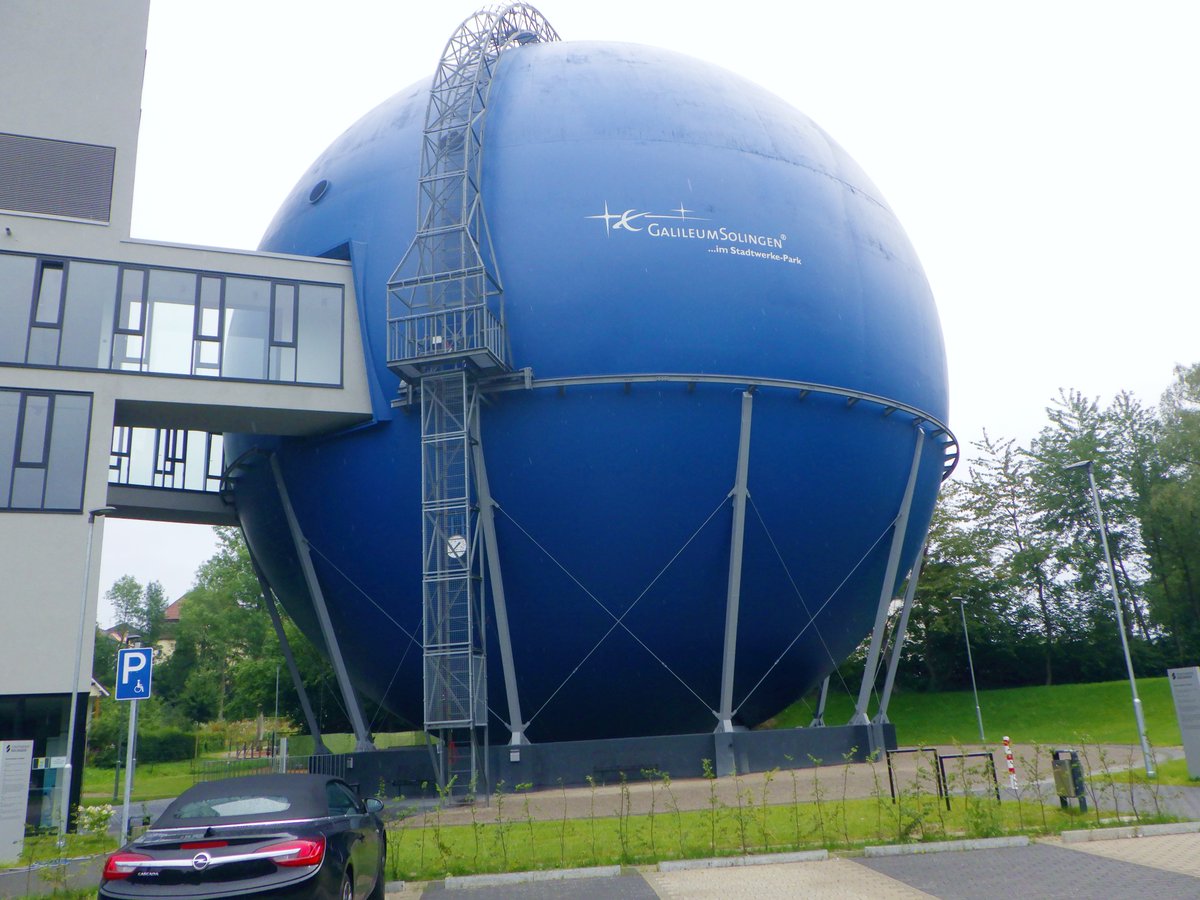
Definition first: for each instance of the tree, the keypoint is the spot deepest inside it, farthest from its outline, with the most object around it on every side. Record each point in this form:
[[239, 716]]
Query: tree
[[227, 653], [220, 625], [140, 611], [126, 598], [1000, 501], [153, 611], [1170, 514], [104, 659]]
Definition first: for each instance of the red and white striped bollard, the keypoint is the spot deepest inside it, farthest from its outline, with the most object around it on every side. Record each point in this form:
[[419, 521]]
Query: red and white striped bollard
[[1008, 757]]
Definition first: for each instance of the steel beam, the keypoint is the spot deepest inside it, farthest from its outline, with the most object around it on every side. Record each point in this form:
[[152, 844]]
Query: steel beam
[[734, 588], [285, 645], [898, 639], [362, 738], [487, 521], [885, 594], [819, 719]]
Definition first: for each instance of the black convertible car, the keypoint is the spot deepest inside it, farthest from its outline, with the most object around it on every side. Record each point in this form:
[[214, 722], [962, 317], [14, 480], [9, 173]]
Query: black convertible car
[[278, 836]]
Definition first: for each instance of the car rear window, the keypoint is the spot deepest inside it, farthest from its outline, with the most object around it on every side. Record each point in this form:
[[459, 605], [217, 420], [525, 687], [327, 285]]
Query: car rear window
[[234, 805]]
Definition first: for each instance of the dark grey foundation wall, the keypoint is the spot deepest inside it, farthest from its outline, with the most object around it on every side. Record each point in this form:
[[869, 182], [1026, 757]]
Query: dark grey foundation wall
[[409, 772]]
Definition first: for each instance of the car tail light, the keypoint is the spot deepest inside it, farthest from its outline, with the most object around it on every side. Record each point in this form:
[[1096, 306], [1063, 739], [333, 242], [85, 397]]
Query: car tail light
[[203, 845], [302, 852], [120, 865]]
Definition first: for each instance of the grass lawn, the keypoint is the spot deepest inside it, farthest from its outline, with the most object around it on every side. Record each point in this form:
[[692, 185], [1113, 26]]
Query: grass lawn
[[1172, 772], [519, 844], [1060, 714], [154, 781], [44, 847], [150, 781]]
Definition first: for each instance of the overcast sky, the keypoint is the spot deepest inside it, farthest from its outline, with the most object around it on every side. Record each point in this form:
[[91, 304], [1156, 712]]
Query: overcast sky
[[1042, 157]]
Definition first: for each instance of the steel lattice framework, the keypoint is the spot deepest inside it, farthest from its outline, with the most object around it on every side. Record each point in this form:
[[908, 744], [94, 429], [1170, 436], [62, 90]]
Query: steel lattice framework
[[445, 330]]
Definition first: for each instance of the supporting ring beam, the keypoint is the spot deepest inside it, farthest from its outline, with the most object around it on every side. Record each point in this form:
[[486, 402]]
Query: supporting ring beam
[[524, 380]]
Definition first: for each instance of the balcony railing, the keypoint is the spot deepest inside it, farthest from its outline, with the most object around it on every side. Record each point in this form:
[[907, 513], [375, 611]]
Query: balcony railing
[[427, 341]]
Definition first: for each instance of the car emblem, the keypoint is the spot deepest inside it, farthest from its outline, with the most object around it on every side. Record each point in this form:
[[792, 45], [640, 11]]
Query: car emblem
[[200, 861]]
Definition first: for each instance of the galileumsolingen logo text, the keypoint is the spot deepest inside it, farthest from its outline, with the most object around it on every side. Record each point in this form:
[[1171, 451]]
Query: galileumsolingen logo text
[[680, 224]]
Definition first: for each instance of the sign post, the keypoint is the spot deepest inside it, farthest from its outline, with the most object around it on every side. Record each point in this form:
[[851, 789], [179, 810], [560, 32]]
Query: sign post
[[134, 673], [1185, 689]]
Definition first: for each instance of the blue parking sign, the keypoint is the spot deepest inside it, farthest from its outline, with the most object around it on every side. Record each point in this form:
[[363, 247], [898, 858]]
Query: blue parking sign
[[134, 667]]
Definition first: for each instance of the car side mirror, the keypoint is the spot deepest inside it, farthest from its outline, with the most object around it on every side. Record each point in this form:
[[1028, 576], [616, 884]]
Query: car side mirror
[[374, 805]]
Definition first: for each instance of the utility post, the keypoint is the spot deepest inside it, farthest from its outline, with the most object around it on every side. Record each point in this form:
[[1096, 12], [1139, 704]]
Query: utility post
[[1147, 757]]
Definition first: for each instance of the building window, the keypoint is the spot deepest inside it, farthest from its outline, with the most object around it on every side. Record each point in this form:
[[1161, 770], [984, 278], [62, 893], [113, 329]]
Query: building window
[[43, 450], [81, 314], [166, 458]]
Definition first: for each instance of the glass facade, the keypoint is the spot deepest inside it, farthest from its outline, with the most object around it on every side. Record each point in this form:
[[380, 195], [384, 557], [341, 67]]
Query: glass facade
[[82, 314], [166, 458], [43, 450]]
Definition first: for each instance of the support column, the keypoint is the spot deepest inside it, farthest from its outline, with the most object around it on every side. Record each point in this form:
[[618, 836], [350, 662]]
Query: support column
[[734, 589], [487, 521], [885, 593], [269, 602], [362, 738], [819, 719], [898, 641]]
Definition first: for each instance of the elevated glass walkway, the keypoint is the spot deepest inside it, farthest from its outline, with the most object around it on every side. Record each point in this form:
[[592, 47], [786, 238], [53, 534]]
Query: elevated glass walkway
[[85, 314]]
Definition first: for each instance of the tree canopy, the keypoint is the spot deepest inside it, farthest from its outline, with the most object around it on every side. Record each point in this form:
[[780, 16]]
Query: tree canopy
[[226, 658], [1016, 536]]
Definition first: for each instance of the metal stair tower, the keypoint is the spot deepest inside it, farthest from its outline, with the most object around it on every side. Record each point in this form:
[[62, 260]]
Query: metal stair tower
[[446, 330]]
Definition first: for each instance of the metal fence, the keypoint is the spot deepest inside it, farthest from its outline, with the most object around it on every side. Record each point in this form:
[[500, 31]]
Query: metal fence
[[318, 763]]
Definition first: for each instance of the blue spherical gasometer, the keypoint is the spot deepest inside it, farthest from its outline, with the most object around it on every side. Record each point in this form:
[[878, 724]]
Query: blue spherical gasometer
[[649, 214]]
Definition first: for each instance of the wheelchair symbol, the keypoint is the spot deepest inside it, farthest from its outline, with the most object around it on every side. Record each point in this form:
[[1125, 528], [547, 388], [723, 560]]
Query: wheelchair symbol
[[139, 687]]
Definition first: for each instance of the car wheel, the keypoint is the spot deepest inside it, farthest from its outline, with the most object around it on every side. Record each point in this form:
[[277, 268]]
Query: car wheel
[[347, 889]]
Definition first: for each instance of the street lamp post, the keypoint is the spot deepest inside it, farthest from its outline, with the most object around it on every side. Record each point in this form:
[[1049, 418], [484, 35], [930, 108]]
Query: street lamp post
[[67, 771], [962, 605], [1112, 581]]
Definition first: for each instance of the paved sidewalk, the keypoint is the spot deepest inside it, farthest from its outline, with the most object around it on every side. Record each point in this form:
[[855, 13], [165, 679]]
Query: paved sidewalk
[[1162, 867], [1046, 870], [833, 878]]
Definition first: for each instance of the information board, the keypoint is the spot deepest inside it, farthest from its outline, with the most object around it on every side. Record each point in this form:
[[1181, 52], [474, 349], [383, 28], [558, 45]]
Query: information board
[[1185, 689], [16, 760]]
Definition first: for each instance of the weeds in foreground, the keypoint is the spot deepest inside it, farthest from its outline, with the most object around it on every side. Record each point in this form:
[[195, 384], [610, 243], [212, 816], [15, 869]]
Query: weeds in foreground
[[666, 780], [877, 793], [847, 761], [740, 816], [501, 825], [1032, 767], [524, 788], [818, 797], [591, 780], [768, 777], [713, 801], [623, 811], [795, 802], [608, 839], [562, 832], [651, 776]]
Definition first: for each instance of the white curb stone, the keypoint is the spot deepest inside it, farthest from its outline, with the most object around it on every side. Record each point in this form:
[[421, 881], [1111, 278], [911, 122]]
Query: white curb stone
[[945, 846], [724, 862], [1129, 831], [462, 882]]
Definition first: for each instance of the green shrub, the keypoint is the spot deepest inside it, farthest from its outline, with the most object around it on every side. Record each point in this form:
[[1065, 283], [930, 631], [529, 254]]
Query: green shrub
[[163, 743]]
